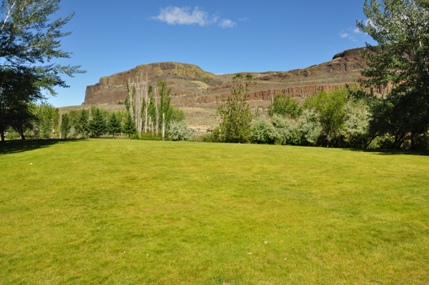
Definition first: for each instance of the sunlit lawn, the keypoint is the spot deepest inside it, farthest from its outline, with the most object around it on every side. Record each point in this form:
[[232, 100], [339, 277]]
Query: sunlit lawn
[[141, 212]]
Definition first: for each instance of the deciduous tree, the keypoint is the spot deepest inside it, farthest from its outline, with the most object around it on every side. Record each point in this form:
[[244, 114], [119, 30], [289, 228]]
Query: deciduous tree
[[235, 113], [65, 125], [284, 105], [330, 107], [399, 63], [29, 44], [81, 125]]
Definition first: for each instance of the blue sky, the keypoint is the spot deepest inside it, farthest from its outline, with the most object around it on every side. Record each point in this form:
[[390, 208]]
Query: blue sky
[[222, 36]]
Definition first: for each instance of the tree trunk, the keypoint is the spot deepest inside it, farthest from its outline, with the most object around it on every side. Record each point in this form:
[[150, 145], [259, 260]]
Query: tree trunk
[[163, 126]]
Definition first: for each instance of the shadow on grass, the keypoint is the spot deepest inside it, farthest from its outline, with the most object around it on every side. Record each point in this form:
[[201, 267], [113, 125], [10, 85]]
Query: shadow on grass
[[16, 146], [393, 151]]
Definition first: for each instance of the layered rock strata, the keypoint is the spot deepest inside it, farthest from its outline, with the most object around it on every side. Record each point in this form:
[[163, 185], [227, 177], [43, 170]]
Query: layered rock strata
[[191, 86]]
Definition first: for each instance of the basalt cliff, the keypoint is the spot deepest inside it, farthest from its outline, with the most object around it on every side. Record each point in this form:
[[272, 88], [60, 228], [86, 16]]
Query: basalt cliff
[[193, 87]]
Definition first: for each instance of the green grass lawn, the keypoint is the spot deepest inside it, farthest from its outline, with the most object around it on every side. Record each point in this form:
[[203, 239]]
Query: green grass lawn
[[142, 212]]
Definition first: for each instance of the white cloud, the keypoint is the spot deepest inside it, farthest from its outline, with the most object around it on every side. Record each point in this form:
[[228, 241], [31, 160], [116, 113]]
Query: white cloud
[[226, 23], [352, 34], [186, 16], [345, 35]]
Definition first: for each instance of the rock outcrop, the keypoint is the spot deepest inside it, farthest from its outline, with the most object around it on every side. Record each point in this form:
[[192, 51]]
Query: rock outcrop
[[192, 86]]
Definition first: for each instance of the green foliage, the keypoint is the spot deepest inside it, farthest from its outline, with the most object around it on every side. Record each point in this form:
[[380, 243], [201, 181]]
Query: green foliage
[[178, 131], [284, 105], [157, 111], [330, 107], [399, 62], [164, 108], [177, 114], [81, 124], [310, 126], [129, 126], [356, 125], [30, 42], [287, 129], [97, 125], [114, 125], [235, 113], [65, 125], [264, 132], [150, 137], [47, 118], [17, 91]]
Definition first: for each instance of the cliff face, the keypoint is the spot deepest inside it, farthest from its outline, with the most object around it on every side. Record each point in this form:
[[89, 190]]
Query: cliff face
[[191, 86]]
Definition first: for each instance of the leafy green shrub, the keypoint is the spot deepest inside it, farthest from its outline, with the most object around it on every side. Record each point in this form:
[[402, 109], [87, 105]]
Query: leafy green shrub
[[310, 126], [264, 132], [287, 129], [356, 126], [284, 105], [178, 131]]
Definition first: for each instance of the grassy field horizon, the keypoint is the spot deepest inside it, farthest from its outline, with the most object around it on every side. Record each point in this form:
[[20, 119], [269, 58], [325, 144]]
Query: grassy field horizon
[[144, 212]]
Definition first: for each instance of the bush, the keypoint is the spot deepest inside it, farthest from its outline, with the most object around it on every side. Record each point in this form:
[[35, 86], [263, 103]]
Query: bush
[[310, 126], [356, 126], [287, 129], [264, 132], [178, 131], [284, 105]]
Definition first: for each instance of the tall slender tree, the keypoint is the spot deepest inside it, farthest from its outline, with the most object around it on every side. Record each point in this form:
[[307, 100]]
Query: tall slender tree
[[81, 125], [65, 125]]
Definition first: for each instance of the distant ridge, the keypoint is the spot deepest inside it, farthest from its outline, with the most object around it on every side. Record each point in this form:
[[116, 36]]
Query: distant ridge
[[194, 87]]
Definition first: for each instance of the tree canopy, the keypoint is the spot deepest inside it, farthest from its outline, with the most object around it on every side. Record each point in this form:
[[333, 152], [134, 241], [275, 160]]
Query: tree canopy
[[235, 113], [399, 63], [29, 44]]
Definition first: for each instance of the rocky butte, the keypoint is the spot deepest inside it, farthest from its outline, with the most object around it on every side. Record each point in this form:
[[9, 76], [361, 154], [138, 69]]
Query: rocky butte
[[193, 87]]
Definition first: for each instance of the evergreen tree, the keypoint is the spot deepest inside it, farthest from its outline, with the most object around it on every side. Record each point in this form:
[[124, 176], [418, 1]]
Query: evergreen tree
[[114, 125], [129, 126], [97, 125]]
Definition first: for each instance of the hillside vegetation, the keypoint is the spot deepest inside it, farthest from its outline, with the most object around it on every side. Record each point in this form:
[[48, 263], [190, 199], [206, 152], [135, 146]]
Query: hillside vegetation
[[144, 212]]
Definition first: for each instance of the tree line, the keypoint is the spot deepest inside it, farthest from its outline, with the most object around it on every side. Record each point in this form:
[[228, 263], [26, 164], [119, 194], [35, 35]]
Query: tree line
[[30, 41], [399, 118], [340, 117]]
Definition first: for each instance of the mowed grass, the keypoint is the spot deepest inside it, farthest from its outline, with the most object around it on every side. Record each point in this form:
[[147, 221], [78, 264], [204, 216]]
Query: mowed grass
[[141, 212]]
